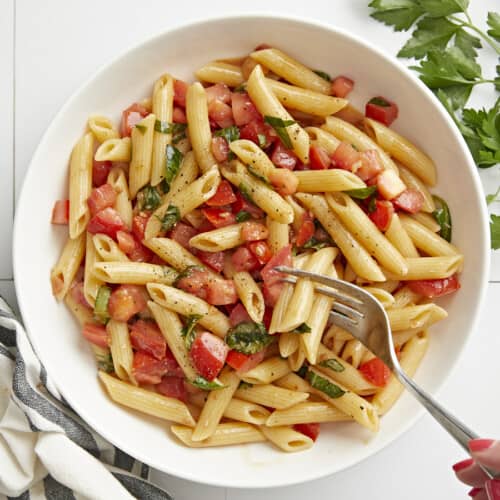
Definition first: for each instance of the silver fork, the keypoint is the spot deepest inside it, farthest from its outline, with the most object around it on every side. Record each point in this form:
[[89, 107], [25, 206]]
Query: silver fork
[[362, 315]]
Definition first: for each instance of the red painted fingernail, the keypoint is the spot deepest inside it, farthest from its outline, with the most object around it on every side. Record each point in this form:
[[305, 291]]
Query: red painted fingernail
[[480, 444], [463, 464], [492, 488], [472, 493]]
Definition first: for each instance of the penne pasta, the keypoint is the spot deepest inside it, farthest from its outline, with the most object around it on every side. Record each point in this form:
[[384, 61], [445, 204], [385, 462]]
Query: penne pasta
[[220, 72], [114, 149], [287, 439], [271, 396], [142, 148], [123, 205], [107, 249], [137, 273], [91, 282], [304, 413], [266, 372], [121, 350], [250, 295], [320, 181], [102, 128]]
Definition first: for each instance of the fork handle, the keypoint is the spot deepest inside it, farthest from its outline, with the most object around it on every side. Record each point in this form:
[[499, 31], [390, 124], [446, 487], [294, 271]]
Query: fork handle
[[455, 427]]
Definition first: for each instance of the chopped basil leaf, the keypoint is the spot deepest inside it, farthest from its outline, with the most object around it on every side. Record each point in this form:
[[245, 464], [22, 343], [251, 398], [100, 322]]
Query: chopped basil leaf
[[242, 216], [443, 217], [315, 244], [303, 328], [178, 130], [245, 192], [206, 385], [242, 88], [149, 198], [324, 385], [173, 164], [262, 140], [101, 304], [245, 385], [361, 193], [258, 175], [379, 101], [141, 128], [105, 362], [248, 337], [187, 272], [372, 205], [229, 133], [323, 75], [280, 126], [188, 332], [333, 364], [170, 218]]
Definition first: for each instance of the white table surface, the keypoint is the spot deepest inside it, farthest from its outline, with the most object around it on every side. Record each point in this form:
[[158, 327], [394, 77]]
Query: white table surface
[[47, 48]]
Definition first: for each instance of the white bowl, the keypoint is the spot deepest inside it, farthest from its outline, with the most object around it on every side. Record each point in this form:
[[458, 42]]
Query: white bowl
[[37, 244]]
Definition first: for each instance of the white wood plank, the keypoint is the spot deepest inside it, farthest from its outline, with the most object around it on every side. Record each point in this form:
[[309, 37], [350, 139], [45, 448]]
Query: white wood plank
[[6, 136]]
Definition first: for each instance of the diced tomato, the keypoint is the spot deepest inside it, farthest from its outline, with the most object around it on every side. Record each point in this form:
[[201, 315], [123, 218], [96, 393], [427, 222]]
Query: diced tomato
[[370, 165], [244, 362], [131, 117], [341, 86], [381, 110], [146, 336], [261, 251], [213, 259], [346, 157], [76, 292], [254, 231], [220, 149], [435, 288], [149, 370], [376, 372], [218, 92], [410, 201], [100, 171], [135, 250], [182, 233], [351, 115], [107, 221], [283, 157], [238, 315], [223, 196], [306, 230], [282, 258], [244, 260], [139, 223], [125, 301], [318, 158], [180, 91], [173, 387], [100, 198], [173, 368], [179, 115], [195, 283], [284, 181], [271, 293], [221, 292], [208, 354], [219, 217], [244, 110], [310, 430], [268, 316], [60, 212], [382, 215], [221, 114], [257, 131], [96, 334], [126, 242], [389, 185], [242, 204]]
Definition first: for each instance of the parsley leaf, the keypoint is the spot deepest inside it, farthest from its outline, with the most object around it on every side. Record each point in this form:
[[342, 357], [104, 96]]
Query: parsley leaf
[[280, 126], [170, 218], [495, 231], [440, 8], [248, 337], [494, 24], [188, 332], [401, 14], [333, 364], [493, 197], [206, 385], [173, 164]]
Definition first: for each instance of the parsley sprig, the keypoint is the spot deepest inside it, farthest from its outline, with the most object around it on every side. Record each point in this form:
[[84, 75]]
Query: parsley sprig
[[445, 43]]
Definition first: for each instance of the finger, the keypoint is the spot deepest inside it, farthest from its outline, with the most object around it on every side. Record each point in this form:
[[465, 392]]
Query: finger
[[469, 473], [486, 452], [493, 489], [478, 494]]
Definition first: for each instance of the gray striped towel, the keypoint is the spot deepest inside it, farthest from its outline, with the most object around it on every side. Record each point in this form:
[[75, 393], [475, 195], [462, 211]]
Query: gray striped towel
[[46, 450]]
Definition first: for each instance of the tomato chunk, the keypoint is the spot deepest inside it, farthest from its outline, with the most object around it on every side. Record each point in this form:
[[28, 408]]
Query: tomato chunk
[[310, 430], [376, 372], [254, 231], [261, 251], [96, 334], [382, 110], [283, 157], [257, 131], [195, 283], [220, 149], [319, 158], [244, 362], [149, 370], [410, 201], [221, 114], [173, 387], [126, 301], [179, 115], [346, 157], [107, 221], [244, 260], [306, 230], [244, 110], [223, 196], [370, 165], [242, 204], [60, 212], [180, 91], [238, 315], [208, 354], [382, 215], [131, 117], [146, 336], [182, 233], [78, 295], [219, 217], [213, 259], [284, 181], [282, 258], [341, 86], [218, 92], [221, 292], [389, 185], [135, 251], [100, 171], [435, 288], [139, 223], [100, 198]]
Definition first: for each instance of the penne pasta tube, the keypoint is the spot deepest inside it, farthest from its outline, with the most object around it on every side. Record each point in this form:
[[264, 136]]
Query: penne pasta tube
[[79, 311], [188, 173], [271, 396], [114, 149], [354, 352], [403, 150], [102, 128], [251, 155], [278, 235], [121, 349], [399, 238], [219, 239], [383, 296], [146, 401], [305, 100], [428, 268], [187, 305], [320, 181], [293, 382], [266, 372], [323, 139], [250, 295], [137, 273], [287, 439], [427, 220], [304, 413], [123, 205], [142, 148], [91, 282], [419, 316], [405, 296], [288, 342], [243, 411], [220, 72], [296, 359], [107, 249]]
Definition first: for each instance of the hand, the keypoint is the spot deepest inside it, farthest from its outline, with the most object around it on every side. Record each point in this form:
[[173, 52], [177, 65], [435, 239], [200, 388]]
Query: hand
[[485, 452]]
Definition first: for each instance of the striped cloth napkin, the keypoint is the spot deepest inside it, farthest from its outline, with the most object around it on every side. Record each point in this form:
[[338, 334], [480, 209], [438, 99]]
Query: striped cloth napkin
[[46, 450]]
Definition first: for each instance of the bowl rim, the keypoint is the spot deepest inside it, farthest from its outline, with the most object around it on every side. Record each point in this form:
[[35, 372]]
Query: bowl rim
[[352, 38]]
